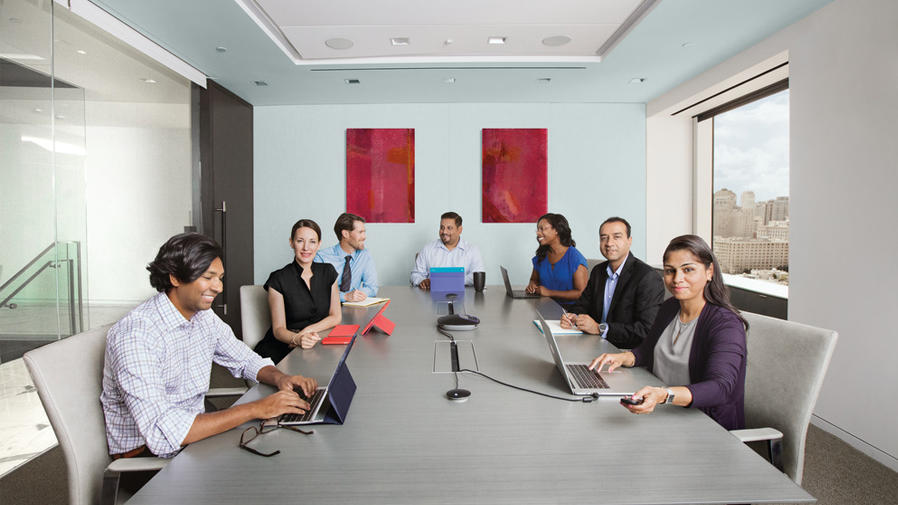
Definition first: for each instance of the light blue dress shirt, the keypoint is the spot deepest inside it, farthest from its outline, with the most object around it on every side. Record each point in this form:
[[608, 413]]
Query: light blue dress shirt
[[610, 285], [436, 254], [364, 275]]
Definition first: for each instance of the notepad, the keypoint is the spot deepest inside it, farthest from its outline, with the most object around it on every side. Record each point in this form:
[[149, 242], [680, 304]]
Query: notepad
[[555, 326], [367, 302]]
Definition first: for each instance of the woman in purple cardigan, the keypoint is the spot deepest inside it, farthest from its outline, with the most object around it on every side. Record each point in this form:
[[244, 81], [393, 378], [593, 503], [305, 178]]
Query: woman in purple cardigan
[[697, 340]]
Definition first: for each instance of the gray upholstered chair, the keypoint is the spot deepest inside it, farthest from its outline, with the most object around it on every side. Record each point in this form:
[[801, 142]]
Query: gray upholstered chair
[[786, 365], [255, 316], [68, 375], [592, 262]]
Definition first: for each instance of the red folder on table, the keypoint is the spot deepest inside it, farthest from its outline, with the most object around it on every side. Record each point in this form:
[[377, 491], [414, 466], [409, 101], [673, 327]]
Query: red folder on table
[[341, 334]]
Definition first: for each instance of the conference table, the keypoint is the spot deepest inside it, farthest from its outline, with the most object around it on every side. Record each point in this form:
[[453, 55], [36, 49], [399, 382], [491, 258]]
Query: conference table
[[404, 442]]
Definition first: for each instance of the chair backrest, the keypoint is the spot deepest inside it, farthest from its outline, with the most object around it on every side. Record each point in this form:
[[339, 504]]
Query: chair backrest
[[255, 316], [786, 365], [68, 375], [592, 262]]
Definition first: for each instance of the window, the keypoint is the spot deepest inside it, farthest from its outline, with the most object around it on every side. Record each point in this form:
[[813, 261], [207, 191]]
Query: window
[[750, 205]]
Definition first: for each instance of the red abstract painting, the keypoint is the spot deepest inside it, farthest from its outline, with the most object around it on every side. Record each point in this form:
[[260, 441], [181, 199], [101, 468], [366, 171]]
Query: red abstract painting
[[514, 174], [380, 174]]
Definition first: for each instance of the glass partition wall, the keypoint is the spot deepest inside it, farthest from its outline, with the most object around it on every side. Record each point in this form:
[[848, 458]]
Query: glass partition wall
[[95, 154]]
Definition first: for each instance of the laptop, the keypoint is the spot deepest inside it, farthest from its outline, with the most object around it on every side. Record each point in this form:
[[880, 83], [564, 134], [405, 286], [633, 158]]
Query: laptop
[[514, 293], [328, 404], [583, 381]]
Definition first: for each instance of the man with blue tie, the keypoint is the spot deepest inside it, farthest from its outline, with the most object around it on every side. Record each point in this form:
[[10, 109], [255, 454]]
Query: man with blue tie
[[356, 275], [623, 294]]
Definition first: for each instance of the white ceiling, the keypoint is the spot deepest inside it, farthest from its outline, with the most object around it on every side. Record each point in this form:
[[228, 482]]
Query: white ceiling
[[441, 31], [672, 42]]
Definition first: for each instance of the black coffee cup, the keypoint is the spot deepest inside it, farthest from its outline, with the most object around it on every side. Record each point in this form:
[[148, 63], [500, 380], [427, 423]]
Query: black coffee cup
[[479, 281]]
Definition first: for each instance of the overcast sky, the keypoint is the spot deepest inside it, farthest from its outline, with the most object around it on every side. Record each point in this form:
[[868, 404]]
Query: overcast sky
[[751, 148]]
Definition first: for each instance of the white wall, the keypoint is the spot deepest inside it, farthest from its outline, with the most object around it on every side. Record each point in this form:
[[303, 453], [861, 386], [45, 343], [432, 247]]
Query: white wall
[[668, 189], [844, 96], [596, 159]]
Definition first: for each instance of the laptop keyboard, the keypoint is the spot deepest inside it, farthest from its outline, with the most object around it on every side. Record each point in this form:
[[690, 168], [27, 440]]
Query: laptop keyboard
[[586, 378], [313, 402]]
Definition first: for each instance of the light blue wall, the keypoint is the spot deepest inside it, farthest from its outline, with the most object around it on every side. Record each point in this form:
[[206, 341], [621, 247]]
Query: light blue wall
[[596, 169]]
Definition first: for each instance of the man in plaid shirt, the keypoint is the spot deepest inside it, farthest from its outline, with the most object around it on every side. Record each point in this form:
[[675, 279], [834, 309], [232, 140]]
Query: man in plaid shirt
[[159, 358]]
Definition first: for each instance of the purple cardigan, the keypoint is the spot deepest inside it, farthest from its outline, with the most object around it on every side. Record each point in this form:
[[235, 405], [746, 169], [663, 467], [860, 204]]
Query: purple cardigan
[[716, 361]]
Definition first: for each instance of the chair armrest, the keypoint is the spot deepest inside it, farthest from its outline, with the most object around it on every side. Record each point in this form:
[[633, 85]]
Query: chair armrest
[[137, 464], [756, 434], [218, 392]]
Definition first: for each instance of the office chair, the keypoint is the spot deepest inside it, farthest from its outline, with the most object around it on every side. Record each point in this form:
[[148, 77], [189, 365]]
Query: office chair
[[68, 375], [787, 362], [255, 316], [592, 262]]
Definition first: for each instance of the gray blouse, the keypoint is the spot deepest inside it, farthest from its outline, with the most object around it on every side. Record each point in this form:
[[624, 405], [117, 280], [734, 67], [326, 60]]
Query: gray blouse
[[671, 363]]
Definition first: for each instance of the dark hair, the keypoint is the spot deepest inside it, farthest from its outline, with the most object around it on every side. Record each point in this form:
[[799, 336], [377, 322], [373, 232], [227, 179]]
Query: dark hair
[[615, 219], [563, 229], [716, 292], [305, 223], [185, 256], [346, 221], [451, 215]]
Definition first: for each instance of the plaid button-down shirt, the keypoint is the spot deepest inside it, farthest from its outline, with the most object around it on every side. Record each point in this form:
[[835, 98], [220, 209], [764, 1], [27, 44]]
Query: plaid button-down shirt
[[157, 371]]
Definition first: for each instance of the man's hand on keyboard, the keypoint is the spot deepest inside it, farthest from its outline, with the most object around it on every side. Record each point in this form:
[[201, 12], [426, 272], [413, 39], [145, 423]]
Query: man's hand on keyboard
[[292, 382], [282, 402]]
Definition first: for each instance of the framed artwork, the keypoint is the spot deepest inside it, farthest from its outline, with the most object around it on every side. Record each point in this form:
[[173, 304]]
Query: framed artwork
[[515, 174], [380, 174]]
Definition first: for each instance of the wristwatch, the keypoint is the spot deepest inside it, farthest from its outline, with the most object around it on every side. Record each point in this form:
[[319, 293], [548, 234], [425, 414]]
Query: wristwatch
[[670, 397], [603, 327]]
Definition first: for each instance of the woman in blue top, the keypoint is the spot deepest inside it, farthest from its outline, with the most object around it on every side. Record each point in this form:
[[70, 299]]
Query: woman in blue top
[[559, 269]]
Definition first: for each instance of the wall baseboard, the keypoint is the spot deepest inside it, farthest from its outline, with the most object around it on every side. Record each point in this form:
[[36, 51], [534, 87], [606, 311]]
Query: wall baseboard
[[859, 444]]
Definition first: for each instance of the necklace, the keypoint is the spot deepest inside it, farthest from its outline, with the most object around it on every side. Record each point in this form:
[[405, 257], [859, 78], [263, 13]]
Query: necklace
[[680, 327]]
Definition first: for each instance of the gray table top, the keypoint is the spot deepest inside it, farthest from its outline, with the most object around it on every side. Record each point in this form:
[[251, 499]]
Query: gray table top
[[404, 442]]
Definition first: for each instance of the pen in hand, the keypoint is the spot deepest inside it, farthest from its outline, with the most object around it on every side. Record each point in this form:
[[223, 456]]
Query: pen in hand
[[570, 318]]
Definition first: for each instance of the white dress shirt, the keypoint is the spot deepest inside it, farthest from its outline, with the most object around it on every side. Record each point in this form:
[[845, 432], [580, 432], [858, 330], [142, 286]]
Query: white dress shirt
[[436, 254], [156, 374]]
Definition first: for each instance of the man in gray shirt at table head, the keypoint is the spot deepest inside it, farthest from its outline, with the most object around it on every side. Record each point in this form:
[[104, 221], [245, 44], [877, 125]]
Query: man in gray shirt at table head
[[159, 357], [623, 294]]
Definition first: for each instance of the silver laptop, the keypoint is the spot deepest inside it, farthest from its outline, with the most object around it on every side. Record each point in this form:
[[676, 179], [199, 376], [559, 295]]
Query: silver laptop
[[583, 381], [317, 404], [514, 293]]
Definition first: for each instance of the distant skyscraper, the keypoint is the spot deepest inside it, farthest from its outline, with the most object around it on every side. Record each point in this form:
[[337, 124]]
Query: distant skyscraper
[[724, 200], [748, 200], [780, 209]]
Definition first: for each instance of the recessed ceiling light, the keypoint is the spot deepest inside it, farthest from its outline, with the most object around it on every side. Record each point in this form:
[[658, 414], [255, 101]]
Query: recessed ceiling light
[[352, 81], [148, 80], [60, 116], [221, 49], [38, 109], [449, 80], [81, 51], [448, 42], [496, 41], [339, 43], [557, 40], [260, 83], [399, 41], [637, 80]]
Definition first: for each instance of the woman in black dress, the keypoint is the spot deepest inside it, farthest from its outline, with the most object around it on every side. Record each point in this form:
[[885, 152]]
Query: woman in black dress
[[303, 296]]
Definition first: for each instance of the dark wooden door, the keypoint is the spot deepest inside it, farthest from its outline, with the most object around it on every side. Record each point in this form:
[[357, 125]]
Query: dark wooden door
[[226, 189]]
